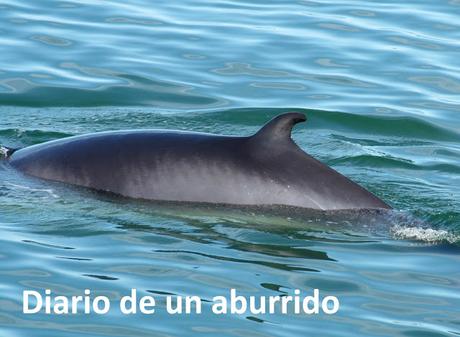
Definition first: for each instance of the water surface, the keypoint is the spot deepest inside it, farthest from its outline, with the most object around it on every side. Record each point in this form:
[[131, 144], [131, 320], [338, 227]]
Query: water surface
[[380, 85]]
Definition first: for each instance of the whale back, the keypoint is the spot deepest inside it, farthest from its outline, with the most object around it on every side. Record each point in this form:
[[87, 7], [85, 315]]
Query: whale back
[[267, 168]]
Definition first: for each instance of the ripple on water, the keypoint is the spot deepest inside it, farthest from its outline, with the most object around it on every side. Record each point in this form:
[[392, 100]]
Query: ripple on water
[[381, 81], [51, 40]]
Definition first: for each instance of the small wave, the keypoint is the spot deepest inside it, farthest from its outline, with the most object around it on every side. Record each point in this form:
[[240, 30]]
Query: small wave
[[129, 90], [423, 234], [377, 161], [21, 137], [402, 127], [396, 126], [393, 162]]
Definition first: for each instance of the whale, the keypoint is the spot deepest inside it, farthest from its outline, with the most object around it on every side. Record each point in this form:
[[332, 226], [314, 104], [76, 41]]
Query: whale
[[266, 168]]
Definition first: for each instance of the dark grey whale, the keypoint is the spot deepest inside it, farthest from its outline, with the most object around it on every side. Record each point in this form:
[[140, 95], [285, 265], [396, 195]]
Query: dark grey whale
[[267, 168]]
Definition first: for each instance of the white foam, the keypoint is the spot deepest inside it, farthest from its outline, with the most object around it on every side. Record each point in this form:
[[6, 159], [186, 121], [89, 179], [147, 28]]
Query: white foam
[[28, 188], [424, 234], [3, 151]]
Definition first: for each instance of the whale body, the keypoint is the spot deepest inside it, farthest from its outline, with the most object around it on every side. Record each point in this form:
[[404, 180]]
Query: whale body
[[266, 168]]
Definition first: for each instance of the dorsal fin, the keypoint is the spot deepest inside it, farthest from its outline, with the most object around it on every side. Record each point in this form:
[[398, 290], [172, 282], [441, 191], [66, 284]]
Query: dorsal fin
[[280, 127]]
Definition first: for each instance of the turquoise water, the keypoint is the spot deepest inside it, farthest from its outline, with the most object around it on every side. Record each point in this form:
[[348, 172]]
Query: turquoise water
[[380, 84]]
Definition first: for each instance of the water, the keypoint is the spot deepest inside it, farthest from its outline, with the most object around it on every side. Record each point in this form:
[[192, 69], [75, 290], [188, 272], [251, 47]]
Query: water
[[380, 85]]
